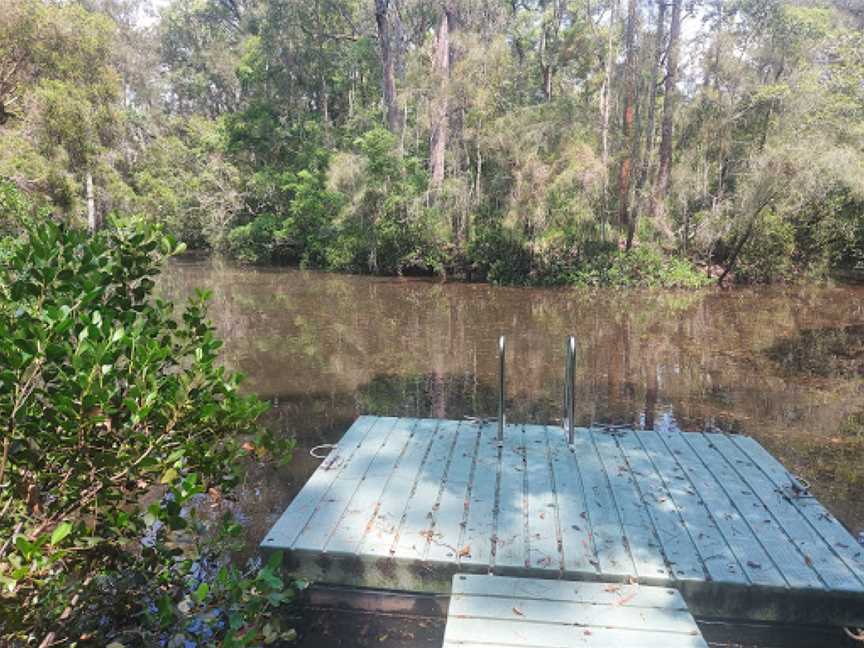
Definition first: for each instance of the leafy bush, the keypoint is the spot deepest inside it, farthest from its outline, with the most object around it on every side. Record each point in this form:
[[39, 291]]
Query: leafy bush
[[767, 255], [110, 403], [254, 242], [303, 236], [641, 266], [499, 256]]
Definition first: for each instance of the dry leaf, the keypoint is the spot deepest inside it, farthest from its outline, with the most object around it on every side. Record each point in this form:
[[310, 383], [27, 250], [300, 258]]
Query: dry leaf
[[625, 599]]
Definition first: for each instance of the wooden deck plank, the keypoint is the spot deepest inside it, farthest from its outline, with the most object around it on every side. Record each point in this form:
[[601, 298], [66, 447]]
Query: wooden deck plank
[[367, 514], [777, 544], [448, 521], [720, 562], [751, 555], [335, 502], [379, 539], [360, 510], [292, 522], [815, 552], [413, 535], [568, 612], [612, 554], [639, 531], [618, 594], [684, 559], [544, 536], [826, 525], [476, 549], [577, 543], [510, 530], [494, 610], [461, 631]]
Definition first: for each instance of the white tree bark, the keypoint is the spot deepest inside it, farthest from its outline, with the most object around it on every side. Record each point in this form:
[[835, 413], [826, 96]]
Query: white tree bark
[[92, 217]]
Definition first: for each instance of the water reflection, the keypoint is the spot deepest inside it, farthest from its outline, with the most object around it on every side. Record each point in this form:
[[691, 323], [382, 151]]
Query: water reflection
[[781, 364]]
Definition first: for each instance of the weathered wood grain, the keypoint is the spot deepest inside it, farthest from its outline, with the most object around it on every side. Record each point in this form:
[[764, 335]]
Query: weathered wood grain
[[577, 541], [814, 552], [685, 563], [292, 522], [491, 610], [639, 530], [447, 521], [476, 543], [544, 536], [511, 521], [403, 504]]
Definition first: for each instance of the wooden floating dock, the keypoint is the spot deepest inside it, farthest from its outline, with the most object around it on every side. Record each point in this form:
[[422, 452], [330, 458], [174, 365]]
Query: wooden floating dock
[[497, 611], [405, 504]]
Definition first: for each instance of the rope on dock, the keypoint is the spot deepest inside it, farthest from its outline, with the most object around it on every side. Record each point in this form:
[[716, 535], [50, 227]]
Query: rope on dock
[[327, 446], [855, 633]]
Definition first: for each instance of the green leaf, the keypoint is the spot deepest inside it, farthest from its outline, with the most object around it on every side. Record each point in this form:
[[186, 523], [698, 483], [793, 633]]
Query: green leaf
[[61, 531], [201, 592], [169, 476]]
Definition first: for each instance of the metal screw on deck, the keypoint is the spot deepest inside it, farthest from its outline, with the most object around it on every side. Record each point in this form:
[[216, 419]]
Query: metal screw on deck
[[502, 346], [569, 379]]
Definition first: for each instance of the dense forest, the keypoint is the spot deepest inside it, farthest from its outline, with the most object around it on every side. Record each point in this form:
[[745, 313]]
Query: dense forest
[[653, 142]]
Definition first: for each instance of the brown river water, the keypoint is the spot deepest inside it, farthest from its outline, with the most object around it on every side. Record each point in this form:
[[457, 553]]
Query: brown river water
[[783, 364]]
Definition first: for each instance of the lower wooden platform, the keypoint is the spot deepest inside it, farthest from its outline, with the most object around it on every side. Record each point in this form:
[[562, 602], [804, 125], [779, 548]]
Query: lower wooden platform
[[404, 504], [499, 612]]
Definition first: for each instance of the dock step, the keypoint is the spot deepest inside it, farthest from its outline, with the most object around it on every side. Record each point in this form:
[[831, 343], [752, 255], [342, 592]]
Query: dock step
[[497, 611], [403, 504]]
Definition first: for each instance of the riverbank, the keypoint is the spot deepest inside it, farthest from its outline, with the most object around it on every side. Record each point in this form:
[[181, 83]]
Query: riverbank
[[639, 268]]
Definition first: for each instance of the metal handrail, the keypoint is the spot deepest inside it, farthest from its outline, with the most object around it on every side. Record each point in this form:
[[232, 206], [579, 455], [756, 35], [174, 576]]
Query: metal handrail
[[502, 348], [569, 388]]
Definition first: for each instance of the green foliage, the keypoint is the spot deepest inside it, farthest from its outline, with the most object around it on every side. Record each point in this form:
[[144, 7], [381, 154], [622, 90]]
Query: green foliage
[[108, 399], [254, 242], [254, 128], [184, 181], [499, 256], [767, 255], [15, 208], [643, 267]]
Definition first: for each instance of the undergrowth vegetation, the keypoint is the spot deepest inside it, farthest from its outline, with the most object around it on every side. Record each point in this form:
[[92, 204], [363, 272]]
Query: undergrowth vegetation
[[123, 443]]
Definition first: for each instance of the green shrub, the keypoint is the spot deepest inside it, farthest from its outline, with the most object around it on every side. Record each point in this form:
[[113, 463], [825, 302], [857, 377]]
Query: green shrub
[[254, 242], [767, 255], [641, 266], [499, 256], [108, 402]]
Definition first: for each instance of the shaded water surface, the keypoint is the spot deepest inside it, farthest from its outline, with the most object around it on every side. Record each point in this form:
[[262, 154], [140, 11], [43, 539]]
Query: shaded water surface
[[785, 365]]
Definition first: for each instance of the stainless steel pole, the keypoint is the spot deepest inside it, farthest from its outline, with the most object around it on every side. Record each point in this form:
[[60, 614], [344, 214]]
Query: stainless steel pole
[[569, 387], [501, 388]]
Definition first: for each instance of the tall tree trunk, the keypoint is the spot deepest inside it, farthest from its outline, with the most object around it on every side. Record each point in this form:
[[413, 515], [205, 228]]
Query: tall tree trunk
[[439, 107], [662, 188], [325, 112], [92, 217], [605, 93], [545, 66], [392, 113], [547, 81], [652, 101], [627, 124]]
